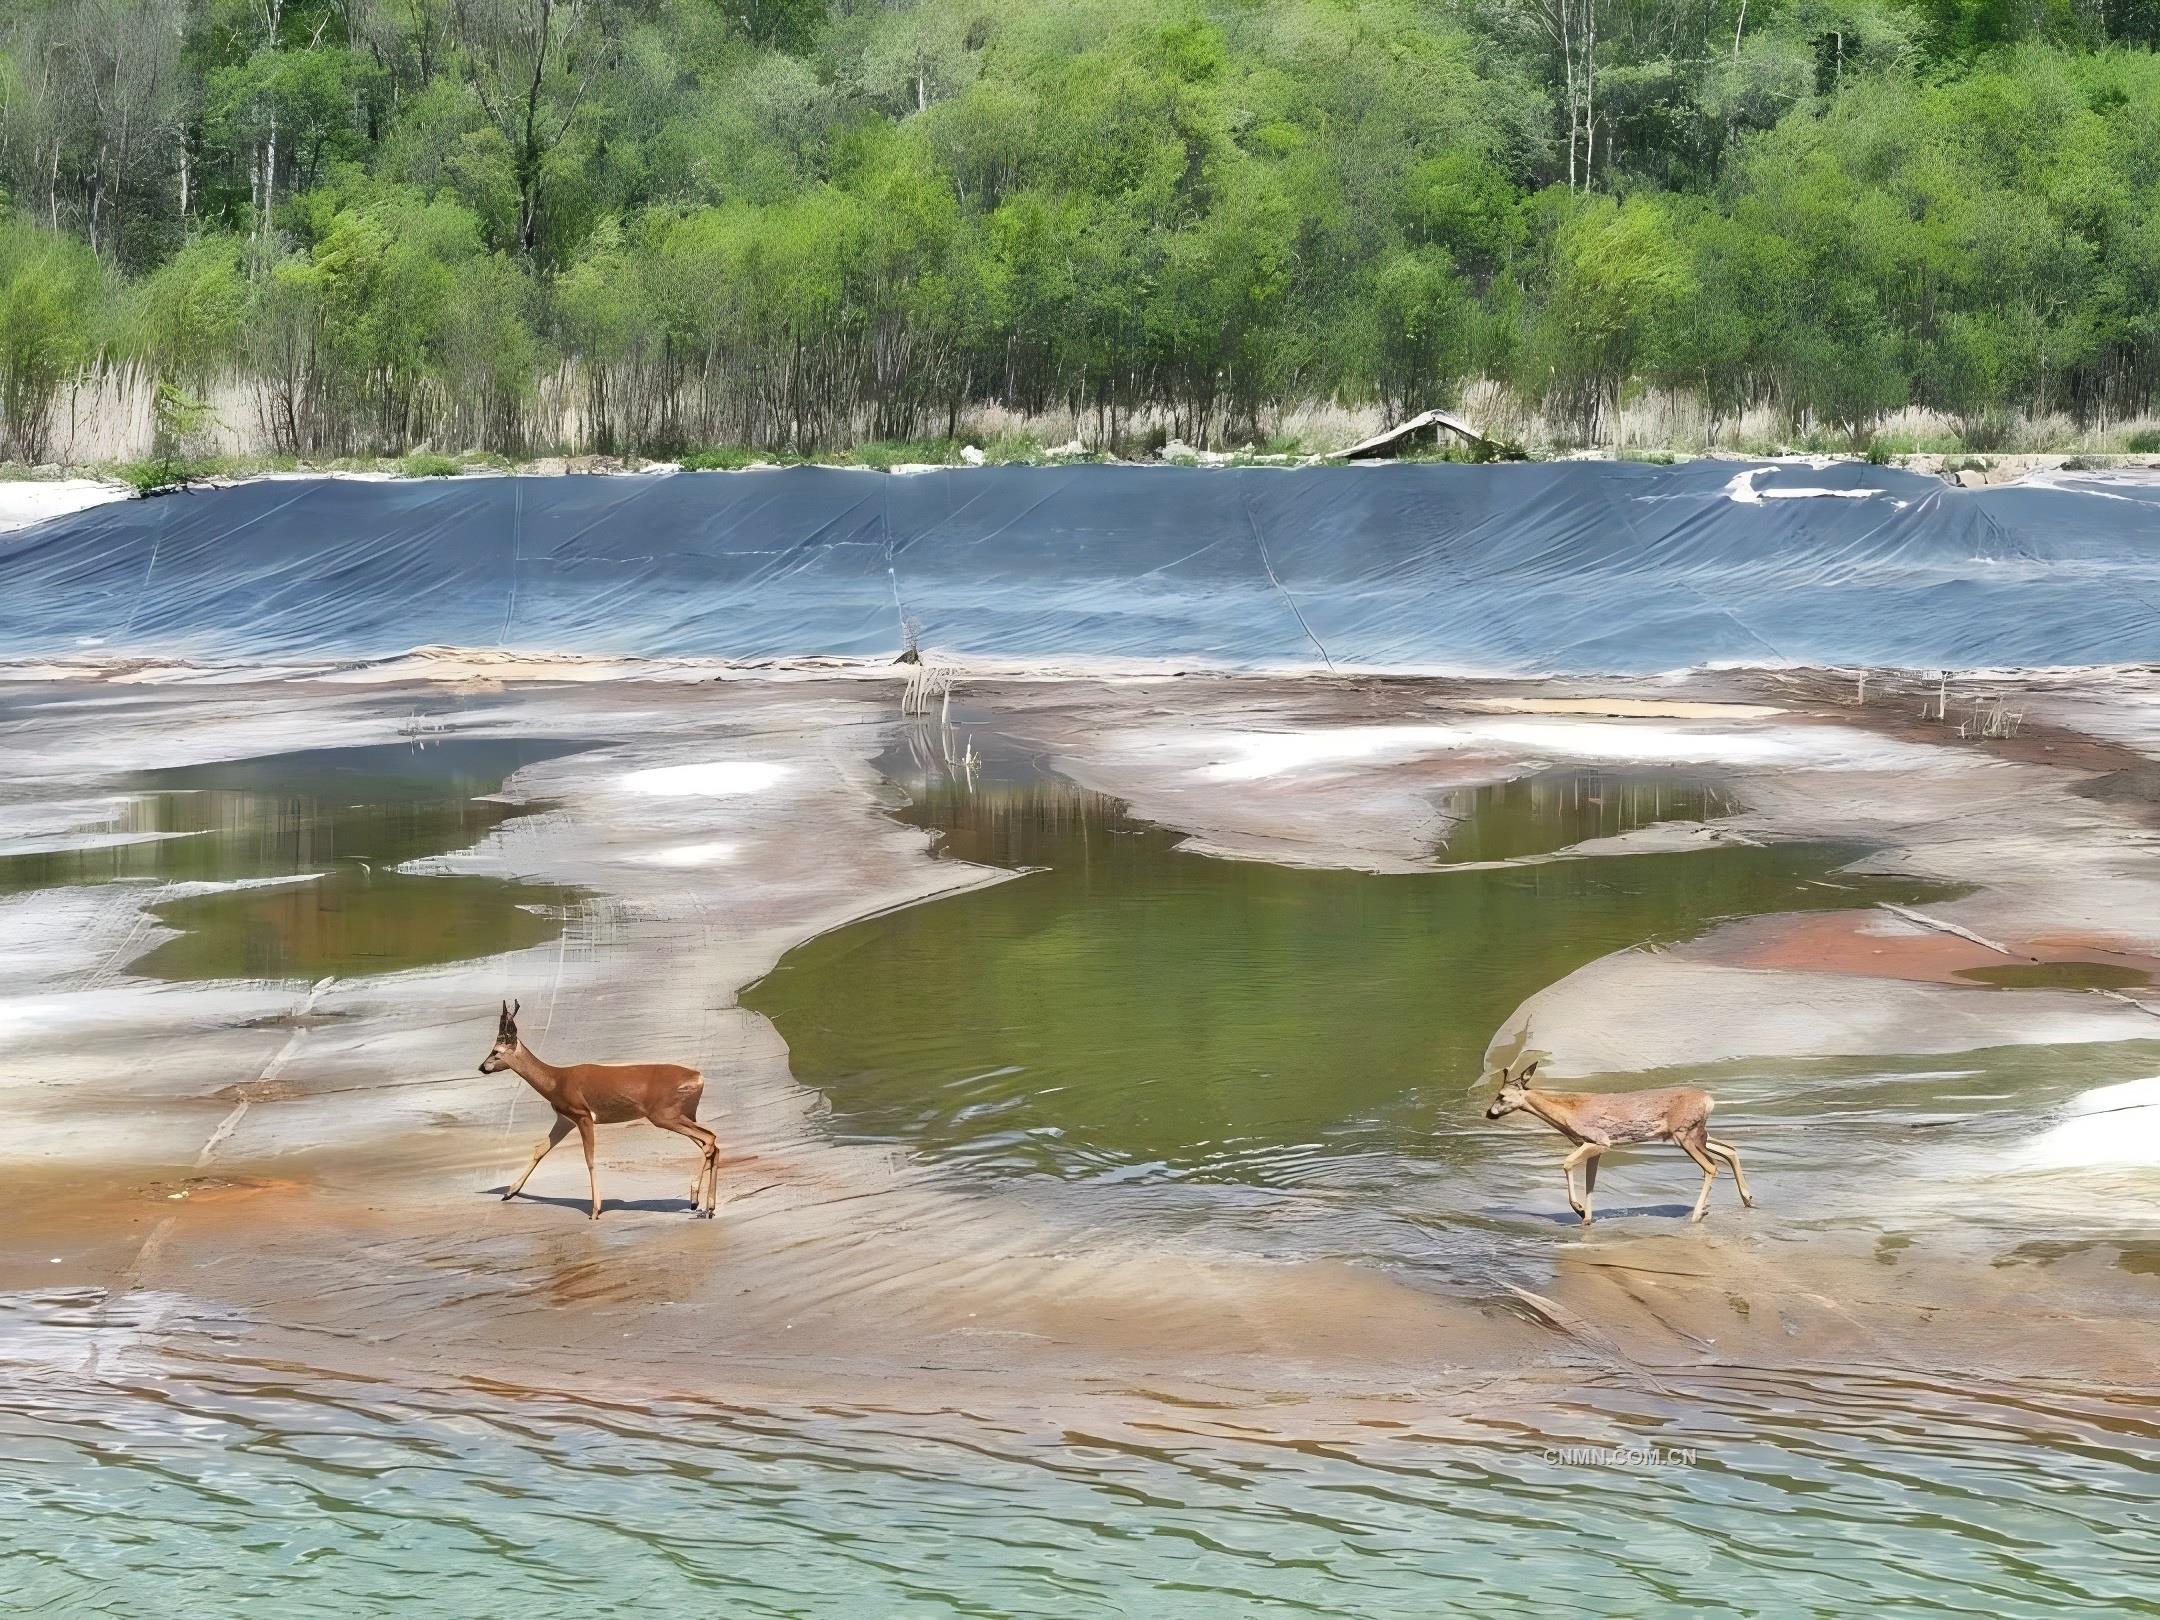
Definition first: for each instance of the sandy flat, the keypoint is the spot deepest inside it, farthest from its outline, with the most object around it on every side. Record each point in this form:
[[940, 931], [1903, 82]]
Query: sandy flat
[[24, 501], [324, 1160]]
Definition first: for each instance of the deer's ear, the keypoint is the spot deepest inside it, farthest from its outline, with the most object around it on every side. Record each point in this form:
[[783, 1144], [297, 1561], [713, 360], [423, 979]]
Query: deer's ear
[[514, 1006], [1522, 1078]]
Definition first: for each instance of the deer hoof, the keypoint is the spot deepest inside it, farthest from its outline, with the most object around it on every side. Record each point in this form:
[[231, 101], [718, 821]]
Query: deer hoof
[[701, 1214]]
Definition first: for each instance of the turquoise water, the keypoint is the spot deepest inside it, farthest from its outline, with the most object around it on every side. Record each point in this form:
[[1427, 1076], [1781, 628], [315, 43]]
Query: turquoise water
[[197, 1482]]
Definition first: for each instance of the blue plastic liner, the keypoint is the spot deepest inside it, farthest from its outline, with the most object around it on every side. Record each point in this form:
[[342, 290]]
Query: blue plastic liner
[[1552, 567]]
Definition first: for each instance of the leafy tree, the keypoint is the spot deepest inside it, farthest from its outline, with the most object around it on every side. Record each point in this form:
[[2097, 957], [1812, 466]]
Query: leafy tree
[[50, 290], [1422, 327], [532, 64], [187, 317], [1618, 273], [794, 225]]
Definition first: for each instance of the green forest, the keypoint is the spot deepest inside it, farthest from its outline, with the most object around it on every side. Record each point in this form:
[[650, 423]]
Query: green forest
[[671, 226]]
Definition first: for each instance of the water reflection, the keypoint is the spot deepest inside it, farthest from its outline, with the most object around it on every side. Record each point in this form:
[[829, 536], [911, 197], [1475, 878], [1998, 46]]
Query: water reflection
[[1543, 811], [304, 849]]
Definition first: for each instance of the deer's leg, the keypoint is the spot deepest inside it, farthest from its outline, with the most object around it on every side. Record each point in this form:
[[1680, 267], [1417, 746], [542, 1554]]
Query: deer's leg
[[1590, 1151], [1694, 1150], [705, 1186], [592, 1174], [1589, 1180], [1725, 1152], [556, 1133], [712, 1173]]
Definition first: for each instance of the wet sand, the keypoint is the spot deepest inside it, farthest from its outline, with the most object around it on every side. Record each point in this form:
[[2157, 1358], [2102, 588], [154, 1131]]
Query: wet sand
[[317, 1165]]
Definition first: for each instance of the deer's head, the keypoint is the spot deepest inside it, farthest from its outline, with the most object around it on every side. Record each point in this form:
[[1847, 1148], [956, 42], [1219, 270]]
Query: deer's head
[[506, 1040], [1514, 1086]]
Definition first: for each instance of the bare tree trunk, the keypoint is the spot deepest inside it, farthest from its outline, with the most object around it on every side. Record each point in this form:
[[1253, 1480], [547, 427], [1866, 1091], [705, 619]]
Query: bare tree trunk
[[530, 153], [97, 195], [1571, 25], [1574, 93], [273, 13], [1589, 80]]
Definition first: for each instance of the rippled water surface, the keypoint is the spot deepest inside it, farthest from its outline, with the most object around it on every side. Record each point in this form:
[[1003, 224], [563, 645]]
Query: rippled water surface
[[199, 1482]]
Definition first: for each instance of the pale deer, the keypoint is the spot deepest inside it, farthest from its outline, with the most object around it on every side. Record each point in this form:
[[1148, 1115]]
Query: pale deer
[[587, 1094], [1597, 1122]]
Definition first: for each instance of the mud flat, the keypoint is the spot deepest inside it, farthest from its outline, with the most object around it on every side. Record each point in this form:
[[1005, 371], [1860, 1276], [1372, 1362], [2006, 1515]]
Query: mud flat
[[254, 1225]]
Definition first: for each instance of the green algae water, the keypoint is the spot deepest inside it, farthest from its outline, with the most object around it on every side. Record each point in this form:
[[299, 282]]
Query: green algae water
[[1125, 1004], [2057, 976], [299, 865], [1544, 811]]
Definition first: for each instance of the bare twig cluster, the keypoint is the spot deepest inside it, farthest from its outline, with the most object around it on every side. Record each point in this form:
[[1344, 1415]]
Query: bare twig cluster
[[1989, 719], [967, 762], [928, 689]]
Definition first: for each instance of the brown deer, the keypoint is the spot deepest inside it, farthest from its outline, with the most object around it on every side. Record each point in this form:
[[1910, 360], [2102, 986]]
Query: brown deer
[[587, 1094], [1597, 1122]]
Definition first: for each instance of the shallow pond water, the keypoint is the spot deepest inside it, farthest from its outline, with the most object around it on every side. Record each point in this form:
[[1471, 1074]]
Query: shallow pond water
[[2058, 976], [1548, 810], [288, 865], [1127, 1006]]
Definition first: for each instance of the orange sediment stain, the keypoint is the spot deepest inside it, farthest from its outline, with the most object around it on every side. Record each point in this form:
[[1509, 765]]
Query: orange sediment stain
[[1868, 944]]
